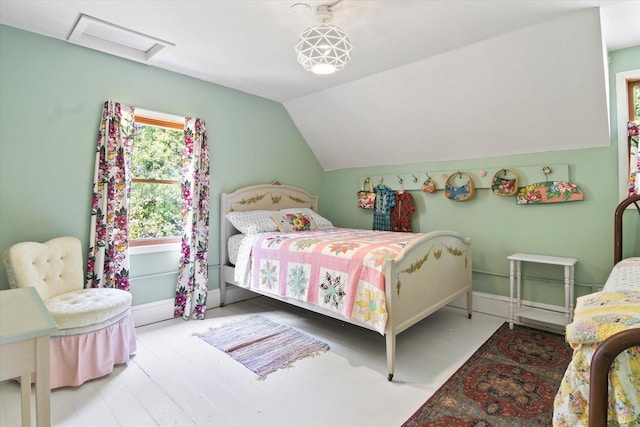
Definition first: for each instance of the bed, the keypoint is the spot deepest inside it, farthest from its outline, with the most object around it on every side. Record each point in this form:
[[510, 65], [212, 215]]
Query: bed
[[602, 382], [381, 281]]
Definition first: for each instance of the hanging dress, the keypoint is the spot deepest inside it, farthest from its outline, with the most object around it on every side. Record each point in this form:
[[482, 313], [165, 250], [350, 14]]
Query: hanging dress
[[401, 212], [385, 201]]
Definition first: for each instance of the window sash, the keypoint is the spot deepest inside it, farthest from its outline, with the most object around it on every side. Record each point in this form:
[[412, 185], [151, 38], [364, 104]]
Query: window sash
[[154, 121]]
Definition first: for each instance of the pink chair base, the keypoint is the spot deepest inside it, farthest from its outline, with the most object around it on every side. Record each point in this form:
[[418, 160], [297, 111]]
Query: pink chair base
[[79, 358]]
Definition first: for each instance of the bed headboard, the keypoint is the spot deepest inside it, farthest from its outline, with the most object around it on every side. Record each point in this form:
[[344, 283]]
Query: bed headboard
[[272, 197]]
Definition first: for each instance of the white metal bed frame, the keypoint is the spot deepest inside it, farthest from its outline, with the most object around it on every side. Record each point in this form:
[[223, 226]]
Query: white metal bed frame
[[427, 277]]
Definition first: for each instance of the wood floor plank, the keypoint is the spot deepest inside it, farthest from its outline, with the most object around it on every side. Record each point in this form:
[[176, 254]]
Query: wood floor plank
[[87, 405]]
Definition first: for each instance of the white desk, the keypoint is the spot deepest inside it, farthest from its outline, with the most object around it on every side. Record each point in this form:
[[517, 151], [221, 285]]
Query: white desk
[[25, 328], [515, 279]]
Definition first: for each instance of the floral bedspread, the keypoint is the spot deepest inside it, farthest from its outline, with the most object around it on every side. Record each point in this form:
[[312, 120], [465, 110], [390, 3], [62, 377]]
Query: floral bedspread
[[338, 269], [625, 275], [598, 316]]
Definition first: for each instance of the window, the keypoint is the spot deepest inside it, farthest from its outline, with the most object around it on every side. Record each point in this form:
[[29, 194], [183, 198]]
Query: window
[[627, 108], [155, 209], [633, 98]]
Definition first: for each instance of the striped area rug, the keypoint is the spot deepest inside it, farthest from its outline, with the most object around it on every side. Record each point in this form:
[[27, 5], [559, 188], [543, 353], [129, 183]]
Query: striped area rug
[[262, 345]]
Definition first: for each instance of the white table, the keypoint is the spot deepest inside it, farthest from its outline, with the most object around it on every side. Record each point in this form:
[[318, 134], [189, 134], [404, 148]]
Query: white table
[[25, 328], [515, 283]]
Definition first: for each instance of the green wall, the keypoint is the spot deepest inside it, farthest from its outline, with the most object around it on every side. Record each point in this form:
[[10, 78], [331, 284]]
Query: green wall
[[51, 94], [624, 60], [498, 227]]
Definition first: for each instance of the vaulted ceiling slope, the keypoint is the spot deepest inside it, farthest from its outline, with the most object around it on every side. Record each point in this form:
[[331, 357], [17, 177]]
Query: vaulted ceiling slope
[[429, 80], [541, 88]]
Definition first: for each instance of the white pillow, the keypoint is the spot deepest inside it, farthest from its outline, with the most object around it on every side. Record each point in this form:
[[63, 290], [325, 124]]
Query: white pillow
[[320, 221], [252, 222]]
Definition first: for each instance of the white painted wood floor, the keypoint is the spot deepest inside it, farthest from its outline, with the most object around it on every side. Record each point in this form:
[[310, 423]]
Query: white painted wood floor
[[176, 379]]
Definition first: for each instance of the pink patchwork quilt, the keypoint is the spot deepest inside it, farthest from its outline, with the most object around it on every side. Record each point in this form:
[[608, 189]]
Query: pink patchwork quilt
[[339, 269]]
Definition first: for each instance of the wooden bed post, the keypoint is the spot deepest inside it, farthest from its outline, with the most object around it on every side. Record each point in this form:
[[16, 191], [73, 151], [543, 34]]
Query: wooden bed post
[[467, 241], [599, 375], [391, 354], [617, 245]]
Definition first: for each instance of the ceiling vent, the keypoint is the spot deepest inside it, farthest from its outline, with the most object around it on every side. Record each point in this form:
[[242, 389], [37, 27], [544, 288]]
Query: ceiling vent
[[115, 40]]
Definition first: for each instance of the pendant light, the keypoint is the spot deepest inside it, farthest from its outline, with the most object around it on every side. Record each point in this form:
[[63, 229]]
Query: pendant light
[[323, 48]]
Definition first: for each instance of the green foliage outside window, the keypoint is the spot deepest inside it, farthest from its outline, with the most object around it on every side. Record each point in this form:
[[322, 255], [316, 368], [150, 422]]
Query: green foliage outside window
[[154, 211], [155, 208]]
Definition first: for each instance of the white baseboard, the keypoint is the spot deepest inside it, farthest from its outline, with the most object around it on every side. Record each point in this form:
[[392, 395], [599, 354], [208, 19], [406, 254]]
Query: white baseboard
[[144, 314], [157, 311], [494, 305], [500, 306]]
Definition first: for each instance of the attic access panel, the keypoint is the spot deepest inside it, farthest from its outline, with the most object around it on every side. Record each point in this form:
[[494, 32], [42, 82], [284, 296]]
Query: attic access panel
[[115, 40]]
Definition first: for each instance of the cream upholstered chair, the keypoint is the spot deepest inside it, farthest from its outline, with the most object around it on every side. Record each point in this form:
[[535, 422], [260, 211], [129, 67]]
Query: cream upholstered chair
[[95, 327]]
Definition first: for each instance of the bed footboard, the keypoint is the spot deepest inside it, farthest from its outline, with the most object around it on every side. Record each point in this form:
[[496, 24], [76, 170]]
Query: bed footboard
[[431, 274]]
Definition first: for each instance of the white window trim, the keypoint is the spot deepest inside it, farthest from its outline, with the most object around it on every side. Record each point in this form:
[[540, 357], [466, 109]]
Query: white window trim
[[158, 115], [622, 111], [149, 249]]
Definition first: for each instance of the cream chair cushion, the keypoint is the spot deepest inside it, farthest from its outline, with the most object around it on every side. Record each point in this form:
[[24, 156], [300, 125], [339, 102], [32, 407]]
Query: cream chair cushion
[[88, 309]]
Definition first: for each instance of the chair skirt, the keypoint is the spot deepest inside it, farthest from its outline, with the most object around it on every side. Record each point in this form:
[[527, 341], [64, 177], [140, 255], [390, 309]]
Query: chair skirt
[[81, 357]]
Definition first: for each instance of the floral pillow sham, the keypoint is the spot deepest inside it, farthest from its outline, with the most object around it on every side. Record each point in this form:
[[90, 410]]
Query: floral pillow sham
[[295, 221], [321, 221]]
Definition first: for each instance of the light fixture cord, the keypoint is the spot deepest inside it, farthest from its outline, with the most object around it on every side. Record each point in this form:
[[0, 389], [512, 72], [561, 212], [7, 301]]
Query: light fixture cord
[[330, 8], [335, 3]]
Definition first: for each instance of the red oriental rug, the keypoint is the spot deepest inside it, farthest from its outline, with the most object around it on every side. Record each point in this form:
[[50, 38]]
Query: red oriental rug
[[511, 380]]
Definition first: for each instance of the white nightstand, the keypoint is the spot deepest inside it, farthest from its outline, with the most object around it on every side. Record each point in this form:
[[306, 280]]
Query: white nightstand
[[515, 278]]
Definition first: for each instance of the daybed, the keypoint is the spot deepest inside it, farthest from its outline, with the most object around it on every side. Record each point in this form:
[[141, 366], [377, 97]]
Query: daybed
[[606, 326], [382, 281]]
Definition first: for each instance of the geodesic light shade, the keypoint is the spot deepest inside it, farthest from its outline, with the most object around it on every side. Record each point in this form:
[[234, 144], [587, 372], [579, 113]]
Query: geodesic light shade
[[323, 49]]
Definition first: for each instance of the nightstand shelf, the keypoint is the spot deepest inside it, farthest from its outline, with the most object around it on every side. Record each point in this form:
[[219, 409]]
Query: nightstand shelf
[[518, 311]]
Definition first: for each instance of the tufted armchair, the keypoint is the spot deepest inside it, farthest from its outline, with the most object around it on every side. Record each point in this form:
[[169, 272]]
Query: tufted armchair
[[95, 327]]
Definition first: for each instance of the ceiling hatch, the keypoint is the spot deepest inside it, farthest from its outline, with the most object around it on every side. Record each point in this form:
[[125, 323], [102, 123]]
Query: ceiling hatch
[[115, 40]]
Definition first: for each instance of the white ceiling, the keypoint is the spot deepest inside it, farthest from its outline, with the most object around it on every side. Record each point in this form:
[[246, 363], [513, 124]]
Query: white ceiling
[[248, 45]]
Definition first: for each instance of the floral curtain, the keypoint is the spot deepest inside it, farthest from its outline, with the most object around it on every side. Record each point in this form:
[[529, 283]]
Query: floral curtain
[[108, 261], [191, 290], [634, 159]]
